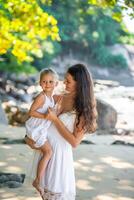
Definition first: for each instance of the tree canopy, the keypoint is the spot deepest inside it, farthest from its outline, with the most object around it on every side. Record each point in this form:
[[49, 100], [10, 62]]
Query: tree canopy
[[124, 4], [29, 29], [23, 25], [87, 30]]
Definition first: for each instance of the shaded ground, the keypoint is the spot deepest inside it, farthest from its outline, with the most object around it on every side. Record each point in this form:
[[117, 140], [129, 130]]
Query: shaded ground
[[103, 171]]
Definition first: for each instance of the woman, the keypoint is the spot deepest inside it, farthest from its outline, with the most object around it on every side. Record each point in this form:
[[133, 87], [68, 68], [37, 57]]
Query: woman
[[77, 110]]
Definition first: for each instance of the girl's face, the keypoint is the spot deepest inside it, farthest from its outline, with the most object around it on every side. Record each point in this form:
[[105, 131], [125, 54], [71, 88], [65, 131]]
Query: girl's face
[[48, 83], [70, 83]]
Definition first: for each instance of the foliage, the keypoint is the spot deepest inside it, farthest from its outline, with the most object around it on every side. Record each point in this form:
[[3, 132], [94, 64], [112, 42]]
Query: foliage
[[104, 58], [127, 39], [86, 29], [29, 30], [117, 61], [51, 50], [124, 5], [9, 63], [23, 25]]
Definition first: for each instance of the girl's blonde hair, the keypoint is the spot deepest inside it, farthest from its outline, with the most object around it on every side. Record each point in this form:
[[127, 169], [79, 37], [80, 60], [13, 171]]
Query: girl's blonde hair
[[48, 71]]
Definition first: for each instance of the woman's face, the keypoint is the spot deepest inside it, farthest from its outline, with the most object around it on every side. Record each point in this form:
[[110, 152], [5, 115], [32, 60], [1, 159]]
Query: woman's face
[[70, 83]]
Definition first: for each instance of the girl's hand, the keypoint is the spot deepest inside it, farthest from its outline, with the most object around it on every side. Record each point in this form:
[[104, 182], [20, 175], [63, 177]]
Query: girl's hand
[[51, 115]]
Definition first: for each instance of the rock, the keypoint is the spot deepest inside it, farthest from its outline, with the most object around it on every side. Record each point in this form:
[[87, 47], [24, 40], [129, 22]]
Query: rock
[[11, 180], [23, 79], [19, 78], [12, 184], [15, 177], [22, 86], [17, 141], [108, 83], [25, 98], [120, 142], [107, 115], [20, 116], [102, 72], [3, 117], [87, 142], [3, 178]]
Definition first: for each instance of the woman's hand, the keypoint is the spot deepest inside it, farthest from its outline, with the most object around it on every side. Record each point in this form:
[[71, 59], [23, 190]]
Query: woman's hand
[[51, 115]]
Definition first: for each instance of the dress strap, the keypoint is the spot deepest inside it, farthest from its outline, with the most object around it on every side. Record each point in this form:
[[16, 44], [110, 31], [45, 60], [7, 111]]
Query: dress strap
[[47, 100]]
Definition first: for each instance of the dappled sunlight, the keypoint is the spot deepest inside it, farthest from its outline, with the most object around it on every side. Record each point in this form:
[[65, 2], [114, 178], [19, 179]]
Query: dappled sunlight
[[85, 161], [116, 163], [12, 132], [2, 164], [12, 159], [83, 185], [109, 175], [111, 197], [6, 195], [124, 182], [126, 185], [6, 147], [105, 197], [14, 169], [81, 166], [98, 168], [103, 172], [15, 158], [19, 194], [95, 178], [31, 198]]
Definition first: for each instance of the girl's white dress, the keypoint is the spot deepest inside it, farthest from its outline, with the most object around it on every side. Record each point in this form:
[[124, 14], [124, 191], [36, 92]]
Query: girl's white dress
[[58, 181], [36, 128]]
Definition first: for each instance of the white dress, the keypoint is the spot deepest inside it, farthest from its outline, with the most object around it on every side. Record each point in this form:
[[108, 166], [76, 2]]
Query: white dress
[[36, 128], [58, 181]]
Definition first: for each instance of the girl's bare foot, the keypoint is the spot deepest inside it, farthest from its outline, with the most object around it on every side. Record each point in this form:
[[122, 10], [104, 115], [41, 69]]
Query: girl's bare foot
[[37, 186]]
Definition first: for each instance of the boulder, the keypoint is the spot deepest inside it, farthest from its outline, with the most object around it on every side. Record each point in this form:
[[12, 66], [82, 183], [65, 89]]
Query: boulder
[[3, 117], [107, 115]]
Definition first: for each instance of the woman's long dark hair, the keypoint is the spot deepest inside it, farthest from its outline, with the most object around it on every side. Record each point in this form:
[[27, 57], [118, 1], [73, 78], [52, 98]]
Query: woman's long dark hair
[[85, 103]]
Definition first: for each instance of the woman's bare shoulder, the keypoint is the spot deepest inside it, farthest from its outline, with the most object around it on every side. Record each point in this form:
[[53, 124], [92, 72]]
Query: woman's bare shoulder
[[57, 97]]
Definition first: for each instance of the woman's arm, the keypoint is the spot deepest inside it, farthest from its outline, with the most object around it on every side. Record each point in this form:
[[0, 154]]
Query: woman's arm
[[73, 138], [38, 102]]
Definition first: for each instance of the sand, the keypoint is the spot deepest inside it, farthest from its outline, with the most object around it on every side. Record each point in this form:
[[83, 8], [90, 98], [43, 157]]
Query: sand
[[103, 171]]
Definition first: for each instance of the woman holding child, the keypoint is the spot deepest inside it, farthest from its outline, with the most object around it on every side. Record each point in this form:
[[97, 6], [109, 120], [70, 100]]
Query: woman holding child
[[76, 116]]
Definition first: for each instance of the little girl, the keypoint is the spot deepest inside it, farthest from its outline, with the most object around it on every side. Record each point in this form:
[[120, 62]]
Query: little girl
[[37, 124]]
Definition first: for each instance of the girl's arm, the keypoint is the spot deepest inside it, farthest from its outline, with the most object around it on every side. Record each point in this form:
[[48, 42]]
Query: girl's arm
[[38, 103], [73, 138]]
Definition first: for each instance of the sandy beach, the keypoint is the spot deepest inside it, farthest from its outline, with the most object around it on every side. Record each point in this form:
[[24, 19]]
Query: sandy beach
[[104, 171]]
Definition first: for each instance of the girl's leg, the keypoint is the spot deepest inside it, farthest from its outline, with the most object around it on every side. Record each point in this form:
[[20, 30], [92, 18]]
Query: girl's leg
[[29, 142], [47, 153]]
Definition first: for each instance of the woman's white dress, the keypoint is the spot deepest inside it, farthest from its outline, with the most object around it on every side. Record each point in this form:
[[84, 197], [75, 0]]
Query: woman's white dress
[[58, 181], [36, 128]]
